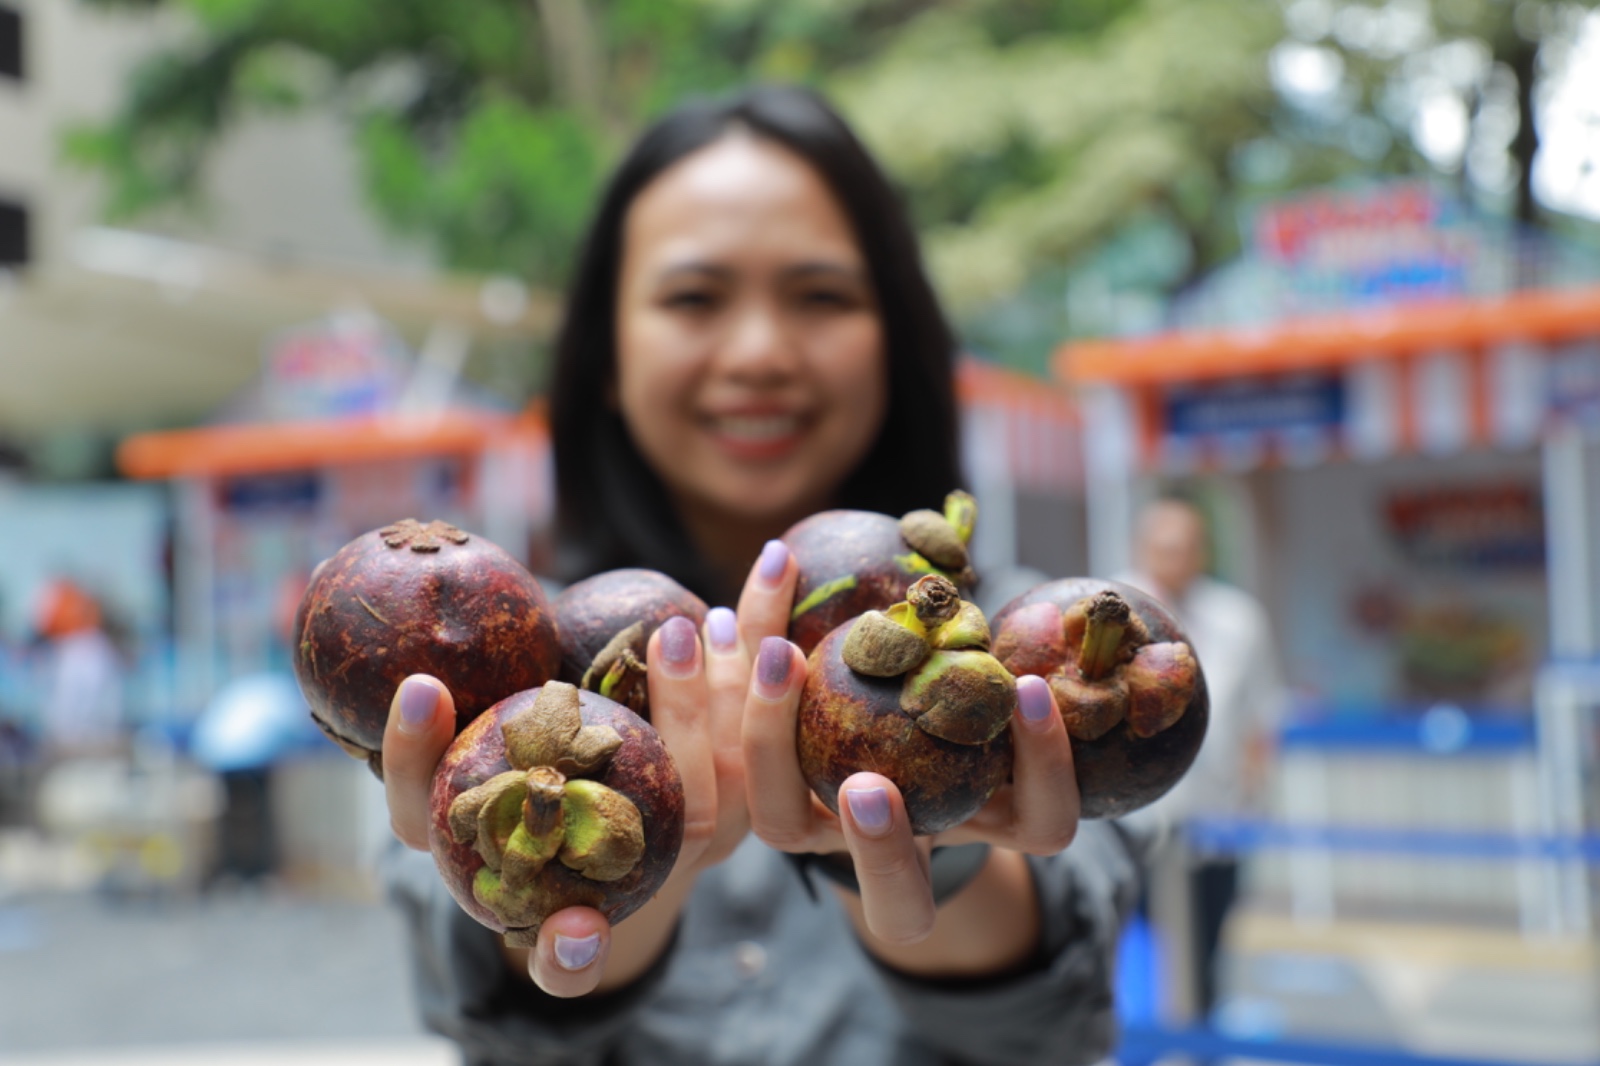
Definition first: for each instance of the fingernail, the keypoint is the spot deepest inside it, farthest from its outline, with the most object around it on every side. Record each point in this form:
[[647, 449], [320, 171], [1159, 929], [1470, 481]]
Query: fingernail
[[774, 557], [678, 642], [772, 667], [722, 626], [869, 809], [1033, 699], [417, 701], [576, 952]]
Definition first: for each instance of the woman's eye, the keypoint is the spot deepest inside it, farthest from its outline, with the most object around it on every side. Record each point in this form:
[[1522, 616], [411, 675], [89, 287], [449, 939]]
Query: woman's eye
[[828, 299], [689, 300]]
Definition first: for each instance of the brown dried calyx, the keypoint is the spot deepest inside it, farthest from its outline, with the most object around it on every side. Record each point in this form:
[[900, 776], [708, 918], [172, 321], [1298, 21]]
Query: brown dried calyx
[[409, 533], [1115, 673], [954, 688], [942, 539], [544, 808], [618, 673]]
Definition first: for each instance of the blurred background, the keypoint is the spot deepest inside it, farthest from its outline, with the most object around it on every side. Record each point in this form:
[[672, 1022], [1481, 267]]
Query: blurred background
[[276, 272]]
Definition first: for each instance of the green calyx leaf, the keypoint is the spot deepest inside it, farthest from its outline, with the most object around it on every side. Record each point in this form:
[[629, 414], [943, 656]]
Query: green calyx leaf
[[963, 696], [822, 594], [604, 831]]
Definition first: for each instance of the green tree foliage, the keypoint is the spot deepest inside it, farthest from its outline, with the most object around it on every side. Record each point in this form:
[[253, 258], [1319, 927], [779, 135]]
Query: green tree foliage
[[1031, 136]]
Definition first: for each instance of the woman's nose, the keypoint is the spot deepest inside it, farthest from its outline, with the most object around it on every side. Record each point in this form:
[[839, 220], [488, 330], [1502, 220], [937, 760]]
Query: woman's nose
[[758, 341]]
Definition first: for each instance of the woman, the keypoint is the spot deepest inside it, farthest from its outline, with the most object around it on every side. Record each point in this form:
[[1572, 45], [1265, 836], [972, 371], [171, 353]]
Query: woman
[[750, 339]]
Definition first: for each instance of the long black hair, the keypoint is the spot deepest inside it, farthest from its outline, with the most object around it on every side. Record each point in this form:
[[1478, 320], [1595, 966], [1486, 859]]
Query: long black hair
[[613, 509]]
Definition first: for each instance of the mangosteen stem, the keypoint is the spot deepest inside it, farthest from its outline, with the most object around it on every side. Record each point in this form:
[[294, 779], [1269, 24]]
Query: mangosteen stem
[[961, 511], [935, 600], [1107, 622]]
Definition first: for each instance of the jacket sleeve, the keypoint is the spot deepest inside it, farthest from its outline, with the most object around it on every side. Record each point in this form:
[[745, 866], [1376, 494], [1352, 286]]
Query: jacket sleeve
[[466, 993], [1060, 1009]]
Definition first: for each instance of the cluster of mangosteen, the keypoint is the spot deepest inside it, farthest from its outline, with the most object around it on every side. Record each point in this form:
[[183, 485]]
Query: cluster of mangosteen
[[558, 792], [907, 678]]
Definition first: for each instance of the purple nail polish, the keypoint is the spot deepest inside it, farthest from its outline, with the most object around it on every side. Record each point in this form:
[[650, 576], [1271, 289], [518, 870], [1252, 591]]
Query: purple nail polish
[[774, 557], [678, 641], [417, 701], [1033, 699], [576, 952], [869, 809], [772, 664], [722, 626]]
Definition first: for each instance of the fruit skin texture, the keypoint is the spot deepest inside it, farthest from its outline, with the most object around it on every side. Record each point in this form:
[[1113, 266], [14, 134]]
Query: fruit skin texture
[[641, 769], [850, 562], [849, 723], [591, 612], [413, 598], [1119, 771]]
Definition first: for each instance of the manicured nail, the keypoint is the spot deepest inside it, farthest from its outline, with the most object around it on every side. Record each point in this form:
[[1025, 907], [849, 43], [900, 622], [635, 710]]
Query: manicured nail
[[417, 701], [772, 667], [774, 557], [869, 809], [678, 641], [722, 627], [1033, 699], [576, 952]]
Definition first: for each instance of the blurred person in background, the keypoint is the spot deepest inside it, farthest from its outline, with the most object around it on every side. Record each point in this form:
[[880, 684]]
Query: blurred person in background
[[1232, 636], [246, 729], [750, 338], [82, 675]]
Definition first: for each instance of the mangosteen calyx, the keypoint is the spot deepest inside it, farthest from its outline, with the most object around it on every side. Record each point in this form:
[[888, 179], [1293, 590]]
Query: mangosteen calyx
[[546, 808], [1115, 673], [617, 673], [940, 540], [420, 537], [954, 689]]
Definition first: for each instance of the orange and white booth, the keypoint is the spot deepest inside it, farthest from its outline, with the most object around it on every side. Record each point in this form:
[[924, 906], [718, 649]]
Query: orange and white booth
[[1413, 493]]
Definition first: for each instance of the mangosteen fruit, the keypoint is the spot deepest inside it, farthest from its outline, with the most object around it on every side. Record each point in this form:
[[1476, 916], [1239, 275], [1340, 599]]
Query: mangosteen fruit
[[911, 693], [856, 561], [552, 798], [417, 598], [605, 623], [1125, 679]]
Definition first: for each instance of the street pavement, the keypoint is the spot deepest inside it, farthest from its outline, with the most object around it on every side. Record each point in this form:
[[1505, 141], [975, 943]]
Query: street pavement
[[246, 977]]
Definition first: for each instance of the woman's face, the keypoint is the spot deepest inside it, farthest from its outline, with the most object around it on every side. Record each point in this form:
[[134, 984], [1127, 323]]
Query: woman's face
[[750, 365]]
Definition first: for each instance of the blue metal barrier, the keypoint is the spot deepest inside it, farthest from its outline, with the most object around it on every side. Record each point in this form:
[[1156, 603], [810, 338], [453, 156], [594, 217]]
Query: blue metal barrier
[[1239, 836], [1147, 1044]]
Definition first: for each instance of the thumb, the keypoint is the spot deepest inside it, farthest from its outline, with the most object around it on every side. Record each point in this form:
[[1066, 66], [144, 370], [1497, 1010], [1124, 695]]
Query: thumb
[[422, 722]]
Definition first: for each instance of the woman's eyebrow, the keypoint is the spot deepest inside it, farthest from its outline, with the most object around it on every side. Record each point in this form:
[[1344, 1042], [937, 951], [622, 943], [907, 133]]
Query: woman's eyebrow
[[694, 268], [847, 271]]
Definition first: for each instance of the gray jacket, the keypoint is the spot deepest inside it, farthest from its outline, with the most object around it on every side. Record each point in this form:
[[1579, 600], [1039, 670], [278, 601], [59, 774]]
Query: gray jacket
[[760, 972]]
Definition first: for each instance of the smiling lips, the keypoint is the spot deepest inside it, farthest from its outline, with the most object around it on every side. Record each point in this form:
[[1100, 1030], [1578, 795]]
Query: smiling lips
[[757, 436]]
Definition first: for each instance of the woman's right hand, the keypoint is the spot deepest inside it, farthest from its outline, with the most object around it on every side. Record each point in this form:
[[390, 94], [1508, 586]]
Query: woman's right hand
[[697, 698]]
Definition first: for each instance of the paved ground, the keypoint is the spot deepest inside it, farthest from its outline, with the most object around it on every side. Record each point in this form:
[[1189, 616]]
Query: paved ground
[[246, 978]]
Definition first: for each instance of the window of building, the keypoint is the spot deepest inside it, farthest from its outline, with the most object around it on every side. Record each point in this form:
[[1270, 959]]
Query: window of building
[[10, 42], [14, 251]]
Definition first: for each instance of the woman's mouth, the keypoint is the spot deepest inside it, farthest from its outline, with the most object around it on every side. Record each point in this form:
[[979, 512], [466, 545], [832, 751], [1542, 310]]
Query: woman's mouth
[[757, 436]]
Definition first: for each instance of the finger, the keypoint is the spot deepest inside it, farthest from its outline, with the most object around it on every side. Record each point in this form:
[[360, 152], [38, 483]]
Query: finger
[[679, 712], [892, 870], [1044, 793], [422, 722], [782, 812], [570, 957], [727, 679], [767, 597], [727, 676]]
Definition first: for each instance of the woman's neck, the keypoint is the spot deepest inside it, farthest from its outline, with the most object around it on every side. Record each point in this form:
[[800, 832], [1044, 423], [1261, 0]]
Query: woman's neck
[[730, 544]]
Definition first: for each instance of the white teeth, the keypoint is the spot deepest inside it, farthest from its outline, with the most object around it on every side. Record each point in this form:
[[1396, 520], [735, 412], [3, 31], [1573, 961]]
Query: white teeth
[[757, 427]]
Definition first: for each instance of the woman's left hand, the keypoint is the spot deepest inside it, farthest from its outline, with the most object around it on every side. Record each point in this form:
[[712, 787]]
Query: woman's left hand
[[1036, 813]]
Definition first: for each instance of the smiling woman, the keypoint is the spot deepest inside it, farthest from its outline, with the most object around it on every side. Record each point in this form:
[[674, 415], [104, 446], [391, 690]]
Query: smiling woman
[[750, 366], [750, 337]]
